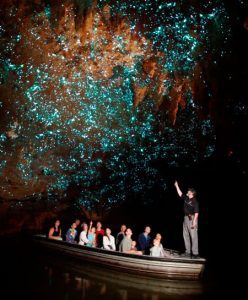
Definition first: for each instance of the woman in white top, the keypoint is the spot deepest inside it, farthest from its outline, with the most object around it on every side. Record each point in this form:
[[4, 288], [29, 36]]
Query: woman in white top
[[108, 240], [157, 249], [83, 235]]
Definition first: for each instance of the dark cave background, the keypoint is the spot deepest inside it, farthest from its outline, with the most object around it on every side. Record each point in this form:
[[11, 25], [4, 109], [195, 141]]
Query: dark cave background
[[219, 179]]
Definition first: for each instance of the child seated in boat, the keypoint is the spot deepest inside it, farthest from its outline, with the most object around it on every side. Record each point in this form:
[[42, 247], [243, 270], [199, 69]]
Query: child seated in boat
[[91, 237], [55, 231], [71, 234], [108, 240], [133, 246]]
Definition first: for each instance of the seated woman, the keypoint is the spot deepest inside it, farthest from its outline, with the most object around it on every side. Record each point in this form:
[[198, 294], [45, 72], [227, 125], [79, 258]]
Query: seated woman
[[99, 235], [55, 231], [71, 234], [108, 240], [83, 240], [157, 249]]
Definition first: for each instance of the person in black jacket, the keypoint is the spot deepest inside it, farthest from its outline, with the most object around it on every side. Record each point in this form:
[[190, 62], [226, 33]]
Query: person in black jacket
[[190, 223]]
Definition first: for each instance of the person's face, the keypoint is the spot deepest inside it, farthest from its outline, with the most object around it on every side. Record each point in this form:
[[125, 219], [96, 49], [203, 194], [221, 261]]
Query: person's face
[[129, 232], [99, 225], [123, 228], [133, 243], [74, 225], [190, 194], [156, 242], [57, 223], [147, 229], [77, 222], [108, 231]]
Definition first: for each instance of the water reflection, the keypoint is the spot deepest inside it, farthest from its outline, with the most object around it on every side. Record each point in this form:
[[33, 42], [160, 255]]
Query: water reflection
[[74, 280]]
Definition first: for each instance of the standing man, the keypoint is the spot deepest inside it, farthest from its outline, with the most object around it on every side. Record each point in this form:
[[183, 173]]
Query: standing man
[[190, 223]]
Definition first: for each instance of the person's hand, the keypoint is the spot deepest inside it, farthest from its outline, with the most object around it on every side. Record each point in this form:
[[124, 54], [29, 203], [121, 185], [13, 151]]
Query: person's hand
[[176, 183]]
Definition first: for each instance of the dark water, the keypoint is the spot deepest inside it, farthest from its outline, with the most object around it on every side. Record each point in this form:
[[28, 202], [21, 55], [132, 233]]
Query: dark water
[[32, 275]]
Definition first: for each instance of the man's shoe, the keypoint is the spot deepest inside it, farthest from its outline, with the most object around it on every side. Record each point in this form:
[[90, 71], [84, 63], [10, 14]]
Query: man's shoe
[[195, 256]]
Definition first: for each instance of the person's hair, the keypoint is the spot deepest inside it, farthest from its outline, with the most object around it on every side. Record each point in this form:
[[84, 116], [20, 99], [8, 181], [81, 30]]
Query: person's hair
[[158, 236], [193, 191], [83, 225]]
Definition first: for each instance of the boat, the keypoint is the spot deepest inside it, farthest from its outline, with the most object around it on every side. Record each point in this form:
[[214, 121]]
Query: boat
[[173, 267]]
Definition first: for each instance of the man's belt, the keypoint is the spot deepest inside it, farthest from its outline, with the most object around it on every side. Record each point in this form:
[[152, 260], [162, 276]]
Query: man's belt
[[190, 216]]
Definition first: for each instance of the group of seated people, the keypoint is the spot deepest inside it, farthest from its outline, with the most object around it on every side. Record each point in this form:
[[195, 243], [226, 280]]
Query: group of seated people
[[92, 236]]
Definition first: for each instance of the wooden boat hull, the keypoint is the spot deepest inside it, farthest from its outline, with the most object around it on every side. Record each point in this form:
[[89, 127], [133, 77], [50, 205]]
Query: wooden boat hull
[[119, 281], [172, 268]]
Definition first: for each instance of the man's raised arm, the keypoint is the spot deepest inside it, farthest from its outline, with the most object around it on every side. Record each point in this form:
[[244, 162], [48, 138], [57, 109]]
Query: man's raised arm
[[178, 189]]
